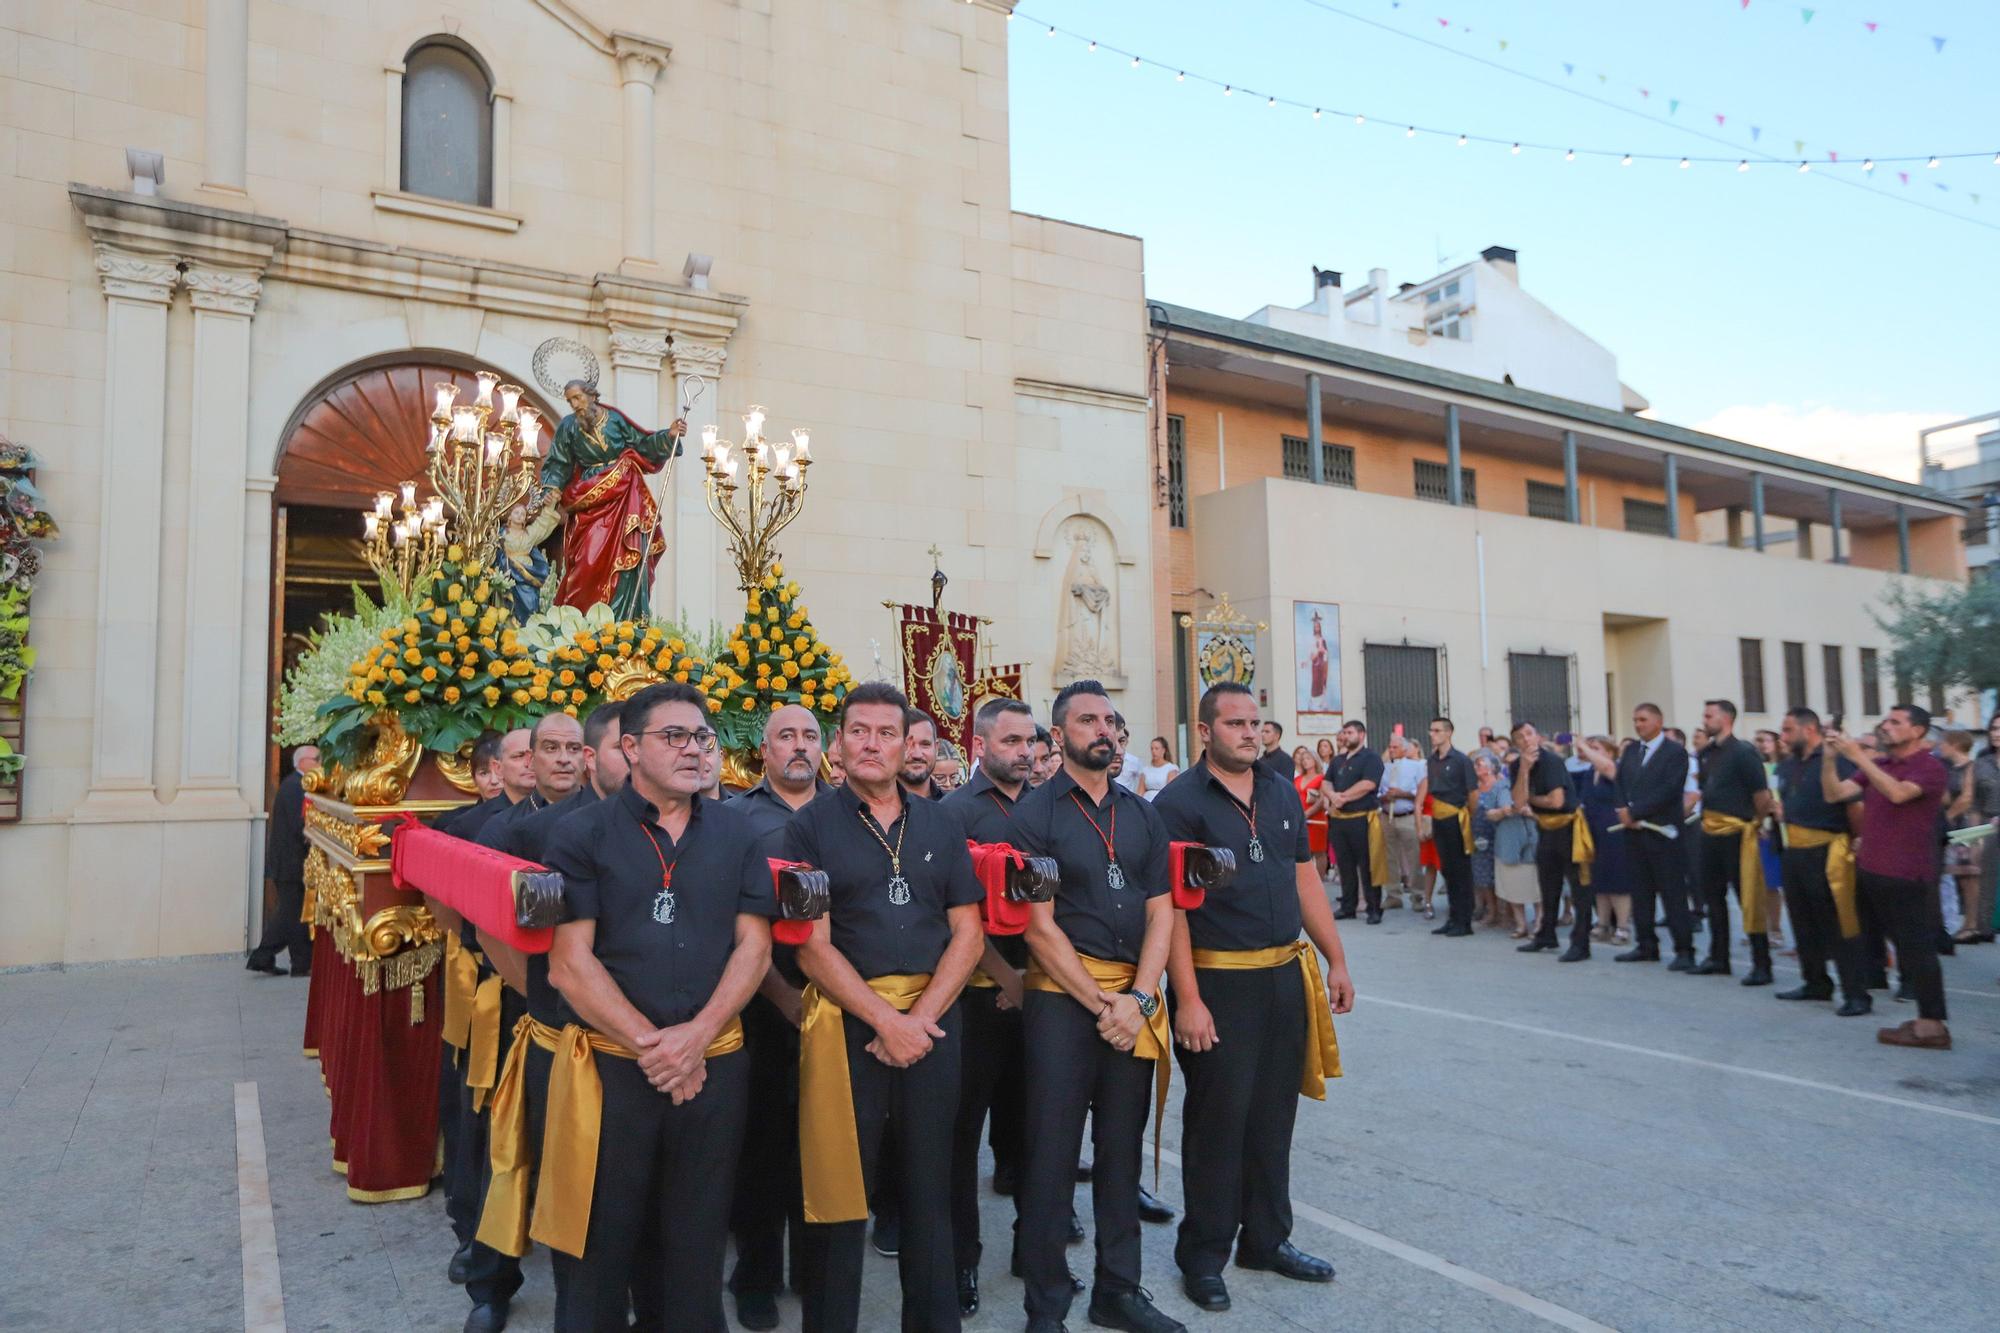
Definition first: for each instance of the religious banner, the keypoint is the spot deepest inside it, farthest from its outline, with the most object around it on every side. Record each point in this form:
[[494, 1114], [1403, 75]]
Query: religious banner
[[940, 649], [998, 682], [1316, 658], [1225, 645]]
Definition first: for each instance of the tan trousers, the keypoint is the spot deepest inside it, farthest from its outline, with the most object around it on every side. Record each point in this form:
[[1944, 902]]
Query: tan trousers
[[1405, 868]]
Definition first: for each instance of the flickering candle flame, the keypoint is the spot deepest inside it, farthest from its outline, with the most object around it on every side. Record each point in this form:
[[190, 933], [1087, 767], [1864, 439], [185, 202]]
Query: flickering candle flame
[[753, 422], [487, 379], [465, 424], [802, 445], [446, 394], [709, 434], [531, 431], [510, 402]]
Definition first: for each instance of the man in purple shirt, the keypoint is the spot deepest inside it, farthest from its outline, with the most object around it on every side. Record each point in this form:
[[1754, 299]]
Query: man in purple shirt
[[1902, 796]]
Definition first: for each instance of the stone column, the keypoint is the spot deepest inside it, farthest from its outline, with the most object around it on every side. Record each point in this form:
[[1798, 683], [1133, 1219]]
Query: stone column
[[226, 131], [636, 357], [640, 61], [211, 715], [697, 554], [137, 290]]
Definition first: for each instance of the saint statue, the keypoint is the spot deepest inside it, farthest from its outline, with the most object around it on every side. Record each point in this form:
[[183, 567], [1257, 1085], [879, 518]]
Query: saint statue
[[1080, 637], [521, 555], [598, 464]]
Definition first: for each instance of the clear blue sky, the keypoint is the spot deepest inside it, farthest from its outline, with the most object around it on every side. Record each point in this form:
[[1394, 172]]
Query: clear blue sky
[[1717, 290]]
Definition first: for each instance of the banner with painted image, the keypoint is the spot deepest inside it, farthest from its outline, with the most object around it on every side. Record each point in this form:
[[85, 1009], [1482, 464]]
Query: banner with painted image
[[1316, 658], [939, 653]]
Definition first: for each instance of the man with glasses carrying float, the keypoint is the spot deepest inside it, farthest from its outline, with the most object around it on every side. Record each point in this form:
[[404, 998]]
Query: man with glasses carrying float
[[880, 1034], [669, 896], [1251, 1014], [1092, 1019]]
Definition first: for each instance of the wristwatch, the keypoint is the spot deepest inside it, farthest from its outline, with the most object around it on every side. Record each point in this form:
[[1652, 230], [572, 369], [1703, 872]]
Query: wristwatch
[[1148, 1004]]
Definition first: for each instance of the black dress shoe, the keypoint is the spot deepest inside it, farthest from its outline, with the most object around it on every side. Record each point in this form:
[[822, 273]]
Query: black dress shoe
[[1075, 1227], [1005, 1178], [1209, 1293], [1375, 917], [1806, 992], [1288, 1260], [1043, 1324], [1535, 946], [1642, 954], [888, 1237], [1856, 1007], [759, 1309], [488, 1318], [1153, 1208], [1711, 966], [1456, 932], [1683, 962], [1445, 929], [1343, 914], [263, 963], [968, 1292], [1014, 1267], [1759, 976], [1576, 953], [461, 1263], [1132, 1311]]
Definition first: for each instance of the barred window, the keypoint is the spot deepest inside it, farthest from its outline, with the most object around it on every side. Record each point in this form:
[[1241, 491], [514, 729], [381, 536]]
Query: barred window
[[1433, 482], [1795, 676], [1177, 472], [1836, 687], [1647, 516], [1336, 460], [1871, 683], [1548, 500], [1750, 653]]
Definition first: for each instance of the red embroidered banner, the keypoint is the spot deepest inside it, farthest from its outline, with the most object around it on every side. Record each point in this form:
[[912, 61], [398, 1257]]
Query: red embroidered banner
[[939, 652]]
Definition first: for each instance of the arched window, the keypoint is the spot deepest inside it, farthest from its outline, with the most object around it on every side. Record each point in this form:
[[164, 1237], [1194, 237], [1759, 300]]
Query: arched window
[[447, 123]]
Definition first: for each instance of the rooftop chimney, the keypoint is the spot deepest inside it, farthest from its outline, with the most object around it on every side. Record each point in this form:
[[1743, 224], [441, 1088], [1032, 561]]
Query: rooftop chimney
[[1326, 293], [1504, 258], [1378, 279], [1325, 277]]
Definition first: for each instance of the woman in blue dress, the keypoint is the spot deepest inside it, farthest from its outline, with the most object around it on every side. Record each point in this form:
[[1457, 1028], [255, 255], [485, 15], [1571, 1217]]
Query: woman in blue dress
[[1610, 877]]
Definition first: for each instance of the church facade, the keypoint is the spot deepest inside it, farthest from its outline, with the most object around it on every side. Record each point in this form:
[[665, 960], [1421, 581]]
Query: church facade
[[245, 241]]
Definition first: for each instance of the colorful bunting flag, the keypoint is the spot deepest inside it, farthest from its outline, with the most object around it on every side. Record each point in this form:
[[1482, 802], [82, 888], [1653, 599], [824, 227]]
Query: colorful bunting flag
[[1756, 133], [1937, 43], [1673, 105], [1719, 119], [1869, 24], [1798, 146], [1903, 176], [1805, 15], [1568, 68]]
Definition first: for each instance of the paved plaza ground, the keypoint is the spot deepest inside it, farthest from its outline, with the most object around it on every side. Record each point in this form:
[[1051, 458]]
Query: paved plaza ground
[[1517, 1144]]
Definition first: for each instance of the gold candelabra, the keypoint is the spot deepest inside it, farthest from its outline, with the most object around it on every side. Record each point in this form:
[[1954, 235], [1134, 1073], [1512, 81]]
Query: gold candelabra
[[773, 483], [483, 459], [406, 550]]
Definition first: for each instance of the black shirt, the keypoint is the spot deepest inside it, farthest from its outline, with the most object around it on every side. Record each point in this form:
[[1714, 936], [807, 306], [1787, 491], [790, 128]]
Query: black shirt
[[285, 835], [1805, 800], [1551, 774], [1100, 921], [665, 946], [1364, 765], [987, 815], [1260, 908], [879, 937], [1280, 761], [1732, 773], [467, 823], [528, 838], [769, 815], [499, 834], [1451, 778]]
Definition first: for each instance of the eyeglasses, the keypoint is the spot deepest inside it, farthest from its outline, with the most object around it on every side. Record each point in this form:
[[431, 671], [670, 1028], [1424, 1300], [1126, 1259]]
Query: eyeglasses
[[677, 738]]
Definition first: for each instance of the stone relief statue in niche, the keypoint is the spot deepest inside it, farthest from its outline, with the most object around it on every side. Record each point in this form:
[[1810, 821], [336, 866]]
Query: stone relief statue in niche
[[1087, 613]]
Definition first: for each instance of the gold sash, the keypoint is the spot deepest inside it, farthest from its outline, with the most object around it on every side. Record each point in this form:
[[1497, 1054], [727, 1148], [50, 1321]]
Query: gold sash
[[1840, 871], [1378, 843], [482, 1053], [1463, 814], [981, 980], [568, 1151], [1322, 1046], [1155, 1037], [1582, 847], [829, 1147], [461, 979], [1749, 865]]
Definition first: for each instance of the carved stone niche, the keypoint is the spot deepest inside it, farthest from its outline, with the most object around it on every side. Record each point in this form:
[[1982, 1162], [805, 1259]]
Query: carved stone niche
[[1087, 643]]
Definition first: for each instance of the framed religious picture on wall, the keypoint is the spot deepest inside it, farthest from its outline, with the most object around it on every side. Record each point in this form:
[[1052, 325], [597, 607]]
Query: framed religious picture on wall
[[1316, 659]]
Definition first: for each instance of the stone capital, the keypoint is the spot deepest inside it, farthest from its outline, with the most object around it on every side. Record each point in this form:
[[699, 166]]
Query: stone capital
[[137, 277], [223, 291], [640, 59], [691, 357], [638, 349]]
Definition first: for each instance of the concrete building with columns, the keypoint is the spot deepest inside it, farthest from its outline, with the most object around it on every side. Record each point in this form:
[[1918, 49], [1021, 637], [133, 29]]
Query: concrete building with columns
[[218, 343], [1457, 482]]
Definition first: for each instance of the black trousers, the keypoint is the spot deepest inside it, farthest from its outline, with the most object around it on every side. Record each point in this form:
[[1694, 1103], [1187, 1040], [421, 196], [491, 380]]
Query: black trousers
[[1073, 1072], [920, 1104], [665, 1170], [768, 1201], [1659, 875], [491, 1276], [1721, 868], [1816, 924], [1006, 1122], [1237, 1114], [1455, 869], [283, 929], [1553, 869], [1908, 909], [451, 1092], [1347, 839], [991, 1034]]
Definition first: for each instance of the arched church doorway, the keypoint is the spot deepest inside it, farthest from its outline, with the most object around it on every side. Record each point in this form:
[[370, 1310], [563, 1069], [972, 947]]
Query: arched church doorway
[[363, 431]]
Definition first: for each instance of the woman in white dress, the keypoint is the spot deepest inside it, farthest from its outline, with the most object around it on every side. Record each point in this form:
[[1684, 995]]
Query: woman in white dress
[[1160, 769]]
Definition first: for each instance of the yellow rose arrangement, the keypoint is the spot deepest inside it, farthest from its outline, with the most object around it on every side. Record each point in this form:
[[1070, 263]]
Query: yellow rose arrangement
[[774, 657], [586, 665]]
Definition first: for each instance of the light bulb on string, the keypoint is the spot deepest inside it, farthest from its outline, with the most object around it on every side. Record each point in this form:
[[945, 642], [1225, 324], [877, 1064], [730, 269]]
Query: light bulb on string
[[1093, 46], [1135, 62], [1461, 141], [1625, 161], [1996, 159], [1360, 119], [1052, 30], [1684, 164], [1180, 76], [1228, 91], [1315, 113], [1744, 165], [1271, 102], [1932, 163], [1570, 155], [1515, 150], [1868, 164], [1804, 167], [1410, 133]]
